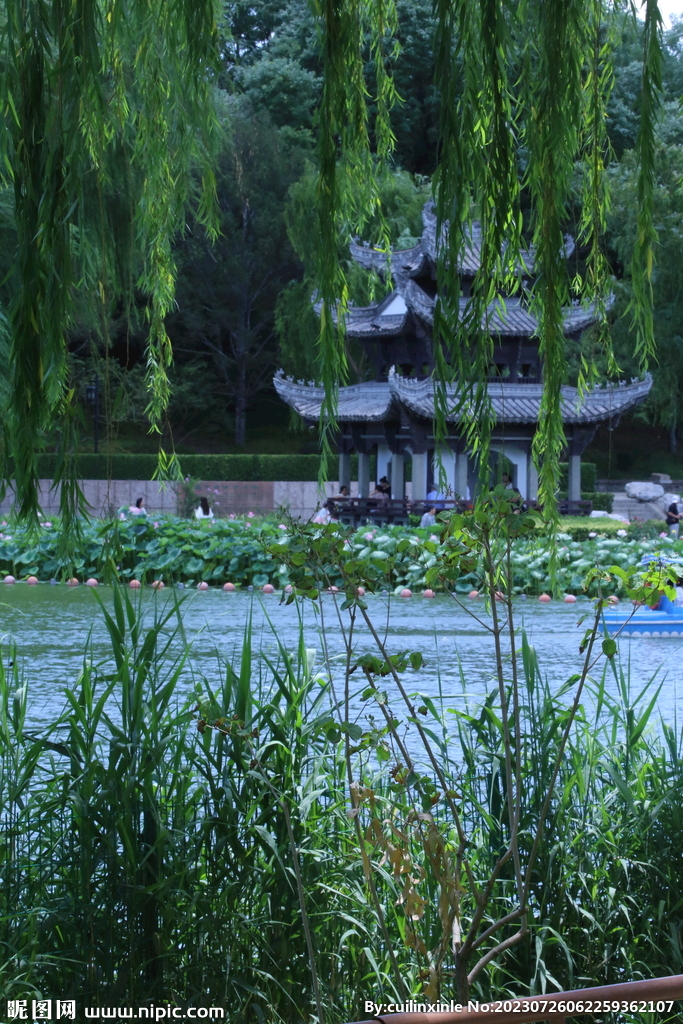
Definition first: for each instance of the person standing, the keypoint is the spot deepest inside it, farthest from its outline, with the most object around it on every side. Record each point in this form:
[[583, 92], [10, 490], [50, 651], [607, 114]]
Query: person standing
[[673, 520]]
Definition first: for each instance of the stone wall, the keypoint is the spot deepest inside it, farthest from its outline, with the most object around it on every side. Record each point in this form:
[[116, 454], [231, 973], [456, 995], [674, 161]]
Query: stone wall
[[106, 496]]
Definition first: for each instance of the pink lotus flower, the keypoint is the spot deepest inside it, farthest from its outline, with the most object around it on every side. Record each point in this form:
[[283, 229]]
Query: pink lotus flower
[[664, 535], [368, 536], [282, 526], [251, 515], [231, 516], [122, 515], [592, 534], [433, 536]]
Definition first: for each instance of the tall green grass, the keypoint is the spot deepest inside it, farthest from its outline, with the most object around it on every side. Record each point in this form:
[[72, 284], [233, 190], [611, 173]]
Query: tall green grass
[[207, 853]]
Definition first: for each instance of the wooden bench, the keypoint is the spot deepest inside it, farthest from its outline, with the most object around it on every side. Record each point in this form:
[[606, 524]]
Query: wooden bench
[[569, 508], [378, 511], [386, 512], [574, 508]]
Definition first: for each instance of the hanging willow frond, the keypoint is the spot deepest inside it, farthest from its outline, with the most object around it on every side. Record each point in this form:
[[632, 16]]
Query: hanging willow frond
[[595, 199], [477, 170], [90, 88], [347, 188], [523, 90], [646, 234], [555, 108]]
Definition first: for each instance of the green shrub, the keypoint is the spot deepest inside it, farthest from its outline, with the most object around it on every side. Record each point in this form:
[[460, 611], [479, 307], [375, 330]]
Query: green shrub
[[199, 467], [589, 475], [603, 501], [648, 530]]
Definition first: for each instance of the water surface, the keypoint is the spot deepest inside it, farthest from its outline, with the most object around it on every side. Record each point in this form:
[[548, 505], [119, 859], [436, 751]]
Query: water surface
[[54, 626]]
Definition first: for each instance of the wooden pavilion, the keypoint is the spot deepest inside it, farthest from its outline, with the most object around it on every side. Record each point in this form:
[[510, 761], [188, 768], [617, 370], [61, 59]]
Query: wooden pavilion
[[392, 415]]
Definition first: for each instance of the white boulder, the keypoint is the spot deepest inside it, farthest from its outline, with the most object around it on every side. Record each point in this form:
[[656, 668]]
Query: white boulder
[[609, 515], [644, 490]]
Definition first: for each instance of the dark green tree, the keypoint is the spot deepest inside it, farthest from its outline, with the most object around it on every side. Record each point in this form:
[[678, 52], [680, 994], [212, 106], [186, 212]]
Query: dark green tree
[[665, 404], [228, 289]]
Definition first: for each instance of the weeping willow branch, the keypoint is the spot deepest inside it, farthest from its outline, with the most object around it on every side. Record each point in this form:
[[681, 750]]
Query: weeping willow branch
[[477, 170], [89, 88], [523, 92], [595, 203], [646, 234], [347, 188]]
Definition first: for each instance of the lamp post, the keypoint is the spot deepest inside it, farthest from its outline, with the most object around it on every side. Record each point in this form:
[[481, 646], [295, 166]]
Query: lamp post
[[92, 394]]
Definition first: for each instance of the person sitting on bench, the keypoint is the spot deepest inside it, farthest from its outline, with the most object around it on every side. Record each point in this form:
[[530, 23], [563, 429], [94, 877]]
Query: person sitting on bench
[[429, 518]]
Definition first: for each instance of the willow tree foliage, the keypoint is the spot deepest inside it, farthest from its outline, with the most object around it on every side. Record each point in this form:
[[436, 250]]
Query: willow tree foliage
[[523, 90], [107, 109]]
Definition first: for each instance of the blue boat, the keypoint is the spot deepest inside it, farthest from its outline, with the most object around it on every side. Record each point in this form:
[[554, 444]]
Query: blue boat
[[663, 621], [666, 620]]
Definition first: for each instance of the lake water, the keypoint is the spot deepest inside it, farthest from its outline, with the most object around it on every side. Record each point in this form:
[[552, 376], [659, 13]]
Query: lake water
[[52, 625]]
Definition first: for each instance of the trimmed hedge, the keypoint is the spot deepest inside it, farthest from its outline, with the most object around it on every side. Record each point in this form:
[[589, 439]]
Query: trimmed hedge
[[589, 474], [199, 467], [243, 467], [603, 501]]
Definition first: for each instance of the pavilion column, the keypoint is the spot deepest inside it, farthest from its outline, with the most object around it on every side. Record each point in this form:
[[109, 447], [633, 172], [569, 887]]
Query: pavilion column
[[345, 470], [420, 467], [397, 475], [461, 474], [532, 480], [363, 474], [383, 460], [519, 458], [446, 458], [574, 488]]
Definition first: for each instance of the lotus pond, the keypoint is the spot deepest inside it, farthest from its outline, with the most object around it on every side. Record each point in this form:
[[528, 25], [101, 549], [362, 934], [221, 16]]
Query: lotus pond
[[237, 550]]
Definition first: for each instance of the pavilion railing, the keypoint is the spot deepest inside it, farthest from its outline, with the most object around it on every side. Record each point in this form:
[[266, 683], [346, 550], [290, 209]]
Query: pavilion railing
[[656, 995]]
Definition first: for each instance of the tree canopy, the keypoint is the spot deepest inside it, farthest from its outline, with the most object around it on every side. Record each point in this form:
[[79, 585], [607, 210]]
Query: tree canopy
[[107, 110], [541, 117]]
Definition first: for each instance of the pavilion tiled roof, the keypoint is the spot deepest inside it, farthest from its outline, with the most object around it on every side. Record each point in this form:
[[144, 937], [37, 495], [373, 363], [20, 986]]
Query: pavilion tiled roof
[[506, 317], [406, 263], [377, 401], [371, 402], [521, 403]]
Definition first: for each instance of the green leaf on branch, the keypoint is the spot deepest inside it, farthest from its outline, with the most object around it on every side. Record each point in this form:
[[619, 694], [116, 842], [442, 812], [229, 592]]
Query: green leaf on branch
[[609, 647]]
